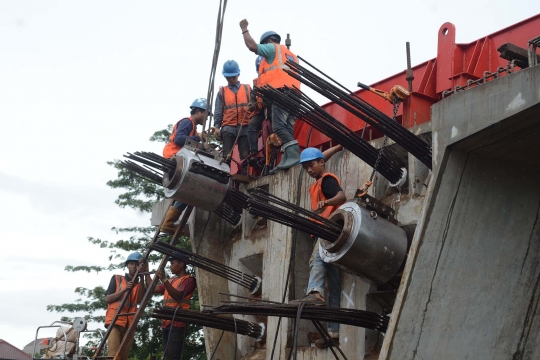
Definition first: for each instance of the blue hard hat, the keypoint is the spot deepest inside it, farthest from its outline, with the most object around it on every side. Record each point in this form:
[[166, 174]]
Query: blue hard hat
[[199, 103], [258, 62], [231, 68], [310, 154], [268, 34], [133, 257]]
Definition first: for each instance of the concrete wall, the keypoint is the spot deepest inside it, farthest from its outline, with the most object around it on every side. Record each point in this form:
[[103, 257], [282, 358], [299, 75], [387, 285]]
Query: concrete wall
[[267, 249], [471, 285]]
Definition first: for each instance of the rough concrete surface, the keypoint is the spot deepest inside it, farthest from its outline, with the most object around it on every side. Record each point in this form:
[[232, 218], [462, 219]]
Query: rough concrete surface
[[472, 281], [268, 248]]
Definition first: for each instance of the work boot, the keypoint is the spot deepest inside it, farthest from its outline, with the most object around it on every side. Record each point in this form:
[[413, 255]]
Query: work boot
[[252, 159], [290, 158], [172, 215], [314, 298]]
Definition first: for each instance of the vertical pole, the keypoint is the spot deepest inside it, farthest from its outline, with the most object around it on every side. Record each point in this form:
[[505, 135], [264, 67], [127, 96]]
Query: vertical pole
[[409, 73]]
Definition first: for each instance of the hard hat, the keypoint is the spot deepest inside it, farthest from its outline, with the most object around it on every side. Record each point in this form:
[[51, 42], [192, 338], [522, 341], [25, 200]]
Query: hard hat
[[310, 154], [268, 34], [133, 257], [231, 68], [199, 103], [258, 62]]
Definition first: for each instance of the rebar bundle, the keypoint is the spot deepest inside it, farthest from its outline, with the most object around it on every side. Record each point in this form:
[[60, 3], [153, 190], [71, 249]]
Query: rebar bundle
[[237, 199], [251, 329], [153, 168], [262, 203], [250, 282], [226, 211], [365, 111], [361, 318], [304, 108]]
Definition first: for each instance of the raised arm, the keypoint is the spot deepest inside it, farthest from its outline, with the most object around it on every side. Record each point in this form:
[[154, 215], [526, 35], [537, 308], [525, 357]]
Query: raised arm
[[250, 43], [328, 153]]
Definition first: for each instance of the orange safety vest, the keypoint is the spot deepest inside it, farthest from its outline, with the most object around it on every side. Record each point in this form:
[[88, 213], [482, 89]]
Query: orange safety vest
[[171, 148], [235, 105], [316, 194], [273, 74], [170, 302], [130, 306]]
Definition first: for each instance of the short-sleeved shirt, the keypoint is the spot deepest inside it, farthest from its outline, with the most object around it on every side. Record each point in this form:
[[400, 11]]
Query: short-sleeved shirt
[[267, 51], [187, 287], [330, 187], [112, 284]]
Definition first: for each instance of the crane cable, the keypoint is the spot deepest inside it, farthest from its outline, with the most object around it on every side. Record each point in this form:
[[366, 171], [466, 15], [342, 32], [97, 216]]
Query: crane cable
[[217, 47]]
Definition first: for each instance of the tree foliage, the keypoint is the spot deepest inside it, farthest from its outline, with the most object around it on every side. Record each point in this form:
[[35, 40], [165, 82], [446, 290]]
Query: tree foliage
[[139, 195]]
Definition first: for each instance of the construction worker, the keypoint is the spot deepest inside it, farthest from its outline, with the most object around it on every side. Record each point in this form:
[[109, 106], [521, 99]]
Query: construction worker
[[256, 110], [118, 287], [230, 113], [177, 293], [271, 73], [184, 129], [326, 196]]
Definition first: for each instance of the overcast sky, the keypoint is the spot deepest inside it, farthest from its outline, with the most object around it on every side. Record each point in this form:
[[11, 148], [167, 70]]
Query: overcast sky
[[82, 82]]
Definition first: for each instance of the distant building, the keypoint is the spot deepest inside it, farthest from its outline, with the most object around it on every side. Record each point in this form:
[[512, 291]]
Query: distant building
[[41, 346], [10, 352]]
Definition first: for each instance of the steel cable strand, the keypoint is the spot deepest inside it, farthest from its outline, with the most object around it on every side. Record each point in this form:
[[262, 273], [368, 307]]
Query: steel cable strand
[[217, 47], [306, 110], [245, 280], [359, 102], [359, 108], [352, 141]]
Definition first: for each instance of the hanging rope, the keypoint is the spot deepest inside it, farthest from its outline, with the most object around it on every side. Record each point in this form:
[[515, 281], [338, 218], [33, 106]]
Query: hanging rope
[[217, 47]]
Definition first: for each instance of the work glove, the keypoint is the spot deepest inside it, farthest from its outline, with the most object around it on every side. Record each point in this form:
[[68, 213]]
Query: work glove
[[252, 106], [203, 136], [217, 133], [161, 275]]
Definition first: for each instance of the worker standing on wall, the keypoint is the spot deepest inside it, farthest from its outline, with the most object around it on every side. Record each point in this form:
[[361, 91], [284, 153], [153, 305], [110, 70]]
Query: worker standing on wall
[[326, 196], [118, 286], [271, 73], [177, 293], [184, 129], [230, 113]]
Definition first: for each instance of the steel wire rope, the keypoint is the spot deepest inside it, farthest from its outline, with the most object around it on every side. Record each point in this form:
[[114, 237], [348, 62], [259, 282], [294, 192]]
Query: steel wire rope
[[219, 341], [217, 47]]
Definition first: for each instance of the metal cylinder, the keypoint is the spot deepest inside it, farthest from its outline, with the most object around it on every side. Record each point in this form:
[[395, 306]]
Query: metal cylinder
[[198, 180], [368, 246]]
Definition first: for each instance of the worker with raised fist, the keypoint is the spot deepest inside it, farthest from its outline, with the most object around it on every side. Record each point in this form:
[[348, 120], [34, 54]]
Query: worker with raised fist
[[177, 292], [231, 113], [271, 73], [184, 129]]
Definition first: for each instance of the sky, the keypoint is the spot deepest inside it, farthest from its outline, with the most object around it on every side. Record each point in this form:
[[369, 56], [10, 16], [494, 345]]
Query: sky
[[83, 82]]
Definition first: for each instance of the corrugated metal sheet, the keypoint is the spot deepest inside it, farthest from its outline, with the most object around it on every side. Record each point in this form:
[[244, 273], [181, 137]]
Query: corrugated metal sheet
[[8, 351]]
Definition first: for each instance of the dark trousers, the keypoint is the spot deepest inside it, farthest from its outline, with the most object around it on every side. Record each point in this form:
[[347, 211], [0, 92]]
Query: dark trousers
[[228, 143], [173, 342], [254, 126]]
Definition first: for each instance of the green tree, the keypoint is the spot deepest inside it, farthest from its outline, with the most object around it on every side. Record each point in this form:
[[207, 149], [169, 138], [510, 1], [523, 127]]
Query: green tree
[[139, 195]]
